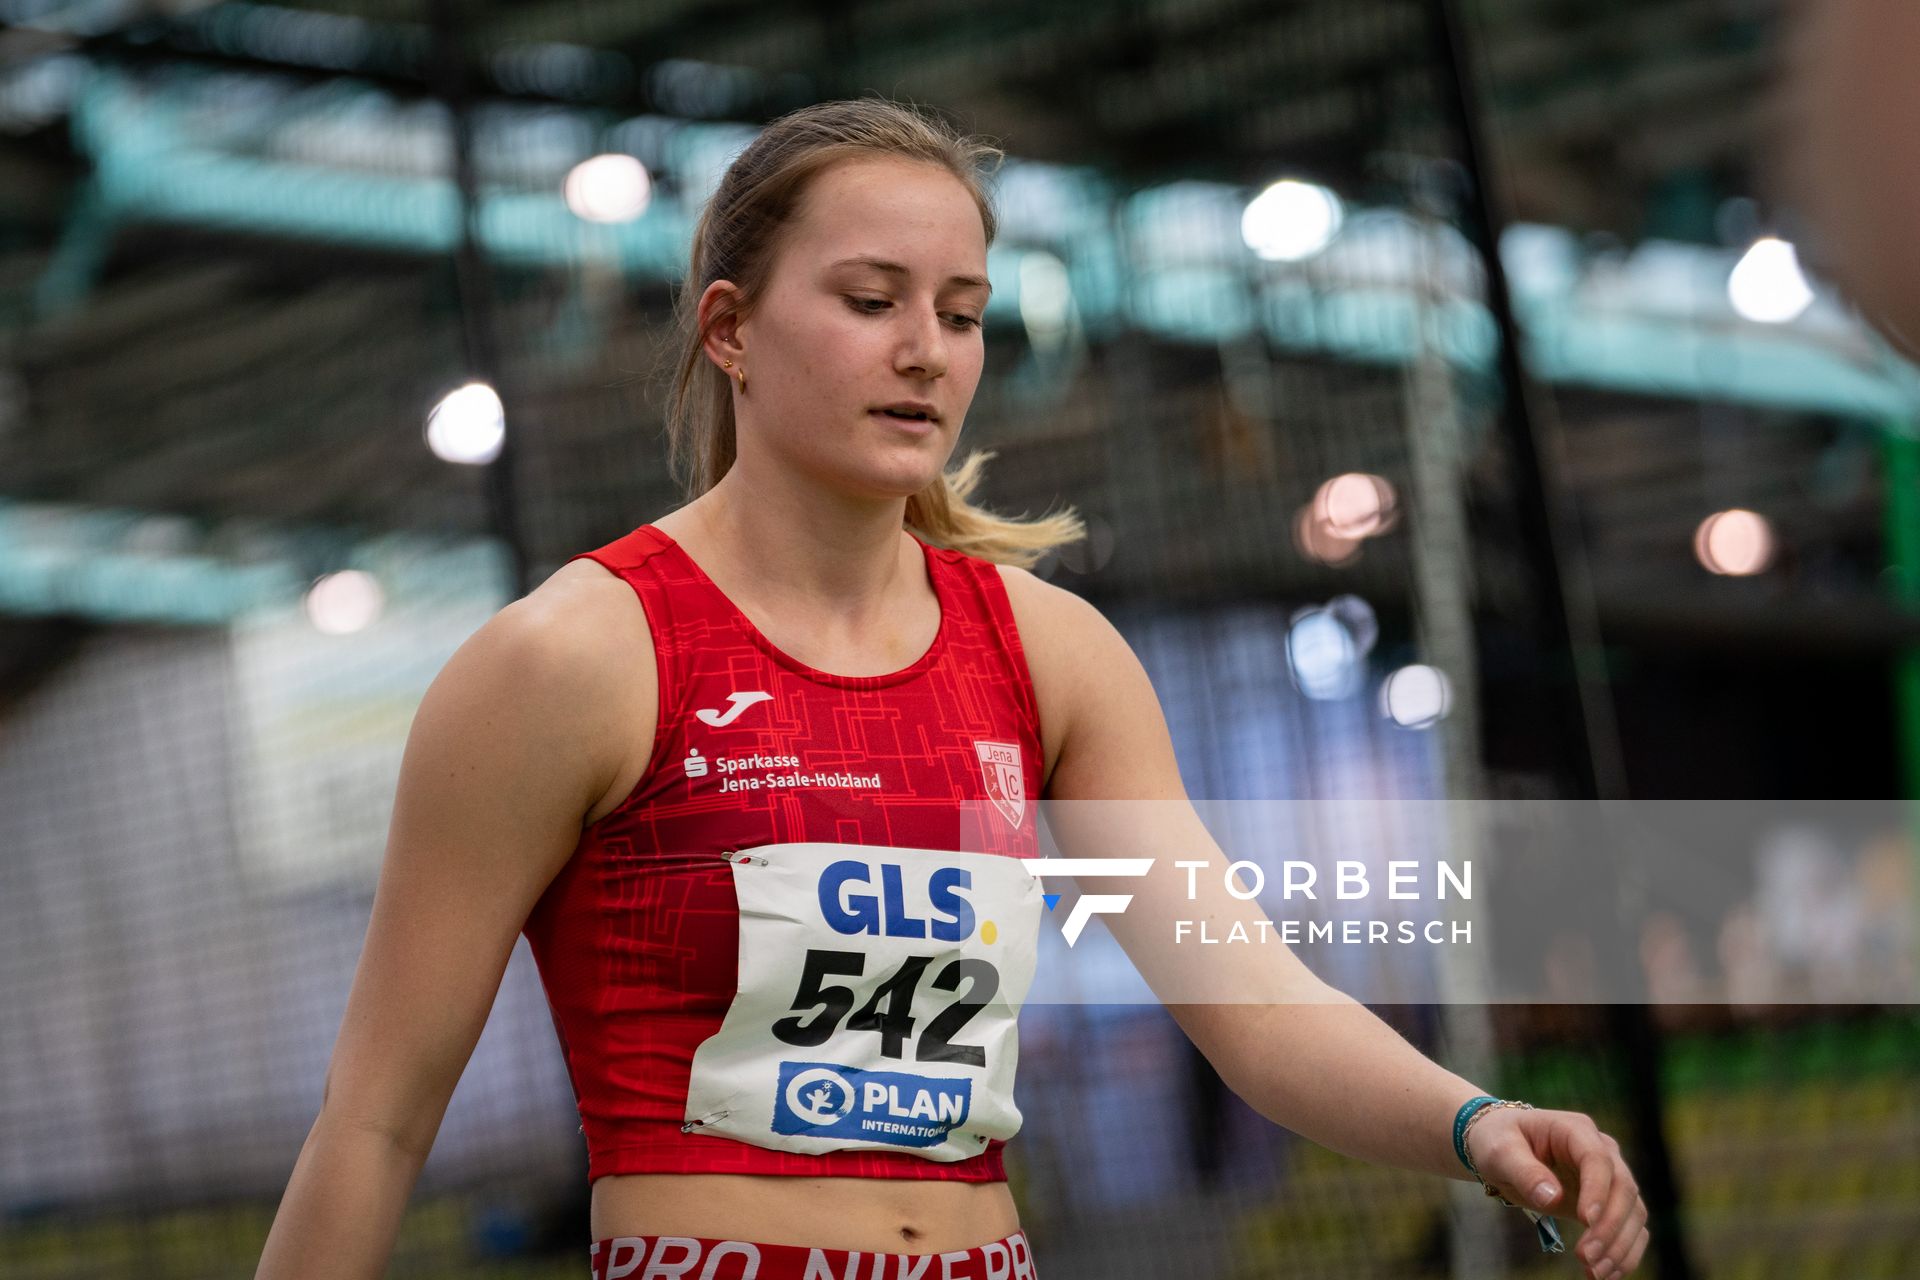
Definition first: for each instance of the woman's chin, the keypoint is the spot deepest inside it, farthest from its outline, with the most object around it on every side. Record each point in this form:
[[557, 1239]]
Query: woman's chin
[[900, 477], [893, 488]]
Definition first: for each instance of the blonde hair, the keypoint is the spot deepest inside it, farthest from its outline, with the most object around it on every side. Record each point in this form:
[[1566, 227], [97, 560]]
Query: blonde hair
[[737, 238]]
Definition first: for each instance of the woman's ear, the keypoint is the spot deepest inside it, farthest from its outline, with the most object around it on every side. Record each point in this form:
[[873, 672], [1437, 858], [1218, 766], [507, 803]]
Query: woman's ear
[[719, 318]]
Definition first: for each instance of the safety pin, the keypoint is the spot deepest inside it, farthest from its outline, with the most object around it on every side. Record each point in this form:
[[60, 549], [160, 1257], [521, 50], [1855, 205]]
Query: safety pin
[[691, 1125]]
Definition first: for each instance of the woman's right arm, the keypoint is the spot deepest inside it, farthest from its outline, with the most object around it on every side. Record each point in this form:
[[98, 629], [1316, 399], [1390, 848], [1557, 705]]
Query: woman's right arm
[[514, 742]]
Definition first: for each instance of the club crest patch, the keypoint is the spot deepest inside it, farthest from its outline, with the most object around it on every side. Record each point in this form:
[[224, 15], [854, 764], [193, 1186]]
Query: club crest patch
[[1006, 780]]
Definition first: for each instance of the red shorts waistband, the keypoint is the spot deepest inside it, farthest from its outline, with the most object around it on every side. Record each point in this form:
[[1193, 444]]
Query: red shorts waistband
[[697, 1258]]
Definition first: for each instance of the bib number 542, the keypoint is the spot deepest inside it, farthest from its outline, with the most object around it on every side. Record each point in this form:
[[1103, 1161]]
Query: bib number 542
[[889, 1010]]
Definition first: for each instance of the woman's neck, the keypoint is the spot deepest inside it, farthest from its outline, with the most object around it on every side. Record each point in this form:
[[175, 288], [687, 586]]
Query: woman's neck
[[780, 546]]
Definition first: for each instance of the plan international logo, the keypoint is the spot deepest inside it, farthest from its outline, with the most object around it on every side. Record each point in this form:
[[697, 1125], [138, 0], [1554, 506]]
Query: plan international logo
[[832, 1100]]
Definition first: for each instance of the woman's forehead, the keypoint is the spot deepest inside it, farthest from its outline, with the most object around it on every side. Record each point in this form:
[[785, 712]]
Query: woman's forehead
[[891, 211]]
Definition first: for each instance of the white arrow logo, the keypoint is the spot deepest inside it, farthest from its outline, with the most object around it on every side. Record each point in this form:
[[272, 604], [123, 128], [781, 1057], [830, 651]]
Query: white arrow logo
[[1089, 904], [740, 701]]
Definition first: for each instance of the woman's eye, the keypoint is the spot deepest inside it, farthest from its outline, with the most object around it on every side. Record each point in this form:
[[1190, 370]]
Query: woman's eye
[[862, 306]]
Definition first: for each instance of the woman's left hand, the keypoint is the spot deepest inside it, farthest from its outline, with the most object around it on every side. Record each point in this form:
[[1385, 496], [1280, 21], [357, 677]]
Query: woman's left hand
[[1548, 1159]]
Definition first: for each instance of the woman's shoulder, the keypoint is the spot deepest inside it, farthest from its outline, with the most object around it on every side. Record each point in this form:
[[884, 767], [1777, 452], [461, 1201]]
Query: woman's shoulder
[[1068, 644], [591, 613], [1060, 618], [587, 622]]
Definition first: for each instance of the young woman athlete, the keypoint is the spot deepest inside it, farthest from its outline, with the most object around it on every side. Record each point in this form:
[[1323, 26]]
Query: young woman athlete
[[754, 781]]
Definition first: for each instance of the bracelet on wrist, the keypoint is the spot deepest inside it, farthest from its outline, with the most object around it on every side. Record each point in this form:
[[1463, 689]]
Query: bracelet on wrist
[[1464, 1119]]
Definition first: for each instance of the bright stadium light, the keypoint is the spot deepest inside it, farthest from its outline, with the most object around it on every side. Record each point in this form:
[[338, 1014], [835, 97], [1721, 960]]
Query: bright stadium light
[[1355, 505], [468, 426], [1046, 298], [1416, 696], [344, 602], [1290, 220], [1327, 647], [1767, 285], [1317, 541], [609, 188], [1736, 543]]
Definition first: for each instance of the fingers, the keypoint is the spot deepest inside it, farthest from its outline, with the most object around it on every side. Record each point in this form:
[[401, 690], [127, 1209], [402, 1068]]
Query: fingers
[[1594, 1155], [1611, 1208], [1606, 1198], [1522, 1151], [1608, 1258], [1637, 1252], [1621, 1201]]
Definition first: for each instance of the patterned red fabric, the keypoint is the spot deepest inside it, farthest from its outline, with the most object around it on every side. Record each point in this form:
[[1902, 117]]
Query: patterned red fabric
[[637, 938]]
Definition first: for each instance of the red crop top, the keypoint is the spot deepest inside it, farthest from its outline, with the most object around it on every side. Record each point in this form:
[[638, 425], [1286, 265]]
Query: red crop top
[[637, 937]]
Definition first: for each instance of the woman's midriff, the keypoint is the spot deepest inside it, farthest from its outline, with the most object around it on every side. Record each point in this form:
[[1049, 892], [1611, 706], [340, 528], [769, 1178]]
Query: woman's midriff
[[871, 1214]]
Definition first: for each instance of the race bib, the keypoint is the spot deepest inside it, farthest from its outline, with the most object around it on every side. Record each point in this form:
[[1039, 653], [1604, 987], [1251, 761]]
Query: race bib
[[878, 1001]]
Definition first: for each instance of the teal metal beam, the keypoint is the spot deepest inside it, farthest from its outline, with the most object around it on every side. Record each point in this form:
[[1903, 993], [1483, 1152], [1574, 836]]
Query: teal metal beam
[[1170, 263], [1184, 276]]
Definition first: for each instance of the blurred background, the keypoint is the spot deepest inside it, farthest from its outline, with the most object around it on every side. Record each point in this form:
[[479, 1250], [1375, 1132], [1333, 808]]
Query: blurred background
[[1451, 386]]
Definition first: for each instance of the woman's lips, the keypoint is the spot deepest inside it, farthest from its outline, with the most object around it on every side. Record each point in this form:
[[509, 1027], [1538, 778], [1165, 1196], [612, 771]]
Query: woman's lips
[[918, 426]]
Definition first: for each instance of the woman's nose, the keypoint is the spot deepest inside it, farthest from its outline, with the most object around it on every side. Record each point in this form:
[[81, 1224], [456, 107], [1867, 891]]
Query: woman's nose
[[925, 352]]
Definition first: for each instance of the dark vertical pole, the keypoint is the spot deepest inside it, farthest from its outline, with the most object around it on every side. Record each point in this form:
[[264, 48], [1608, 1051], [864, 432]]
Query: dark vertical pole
[[473, 280], [1900, 466], [1564, 615], [1564, 621]]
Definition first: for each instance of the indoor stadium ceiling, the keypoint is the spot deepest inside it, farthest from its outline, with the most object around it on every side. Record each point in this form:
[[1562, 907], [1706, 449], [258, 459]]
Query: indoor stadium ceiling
[[1606, 114], [222, 375]]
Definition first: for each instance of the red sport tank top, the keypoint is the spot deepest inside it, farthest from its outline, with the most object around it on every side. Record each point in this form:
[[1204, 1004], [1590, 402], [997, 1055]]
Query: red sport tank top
[[637, 938]]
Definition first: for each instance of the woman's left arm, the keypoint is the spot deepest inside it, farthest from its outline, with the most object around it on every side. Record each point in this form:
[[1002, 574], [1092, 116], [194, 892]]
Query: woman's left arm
[[1301, 1053]]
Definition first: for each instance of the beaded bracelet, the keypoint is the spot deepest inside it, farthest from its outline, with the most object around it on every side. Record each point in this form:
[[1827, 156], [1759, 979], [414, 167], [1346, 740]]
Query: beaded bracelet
[[1463, 1121]]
